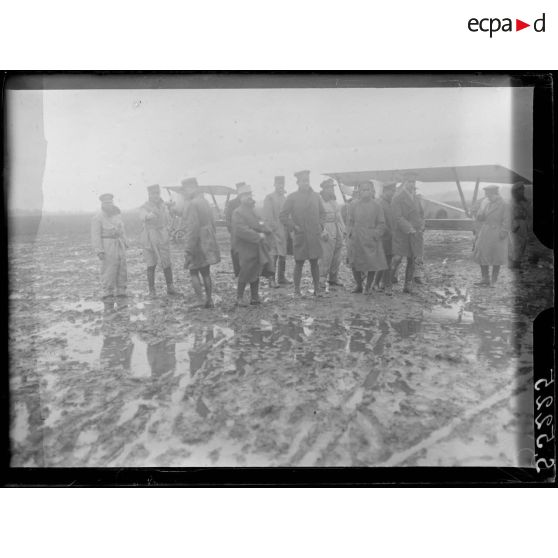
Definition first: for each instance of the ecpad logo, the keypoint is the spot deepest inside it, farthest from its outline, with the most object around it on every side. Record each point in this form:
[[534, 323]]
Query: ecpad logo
[[494, 24]]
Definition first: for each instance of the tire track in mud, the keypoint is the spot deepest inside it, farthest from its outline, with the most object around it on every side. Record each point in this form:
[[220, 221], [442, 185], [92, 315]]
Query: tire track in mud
[[444, 432]]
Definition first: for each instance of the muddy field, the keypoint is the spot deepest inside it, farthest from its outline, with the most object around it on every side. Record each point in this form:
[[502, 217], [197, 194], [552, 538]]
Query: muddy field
[[440, 377]]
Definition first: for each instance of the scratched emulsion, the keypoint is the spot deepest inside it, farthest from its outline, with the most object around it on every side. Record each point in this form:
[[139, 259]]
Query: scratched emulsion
[[443, 377]]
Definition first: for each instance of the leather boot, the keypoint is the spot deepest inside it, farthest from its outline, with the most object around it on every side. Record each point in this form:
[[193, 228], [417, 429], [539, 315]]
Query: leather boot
[[485, 281], [281, 264], [168, 278], [151, 280], [357, 275]]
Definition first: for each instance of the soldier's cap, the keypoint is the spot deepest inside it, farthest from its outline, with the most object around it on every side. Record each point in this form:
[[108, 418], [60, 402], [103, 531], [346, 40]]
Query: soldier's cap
[[243, 188], [366, 183], [302, 174], [491, 188], [327, 183], [389, 186], [279, 180], [106, 197], [190, 183], [154, 188]]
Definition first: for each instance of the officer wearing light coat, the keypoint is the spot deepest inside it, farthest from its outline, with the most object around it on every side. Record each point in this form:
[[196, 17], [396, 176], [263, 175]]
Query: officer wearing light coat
[[155, 238], [273, 203], [332, 237], [109, 243]]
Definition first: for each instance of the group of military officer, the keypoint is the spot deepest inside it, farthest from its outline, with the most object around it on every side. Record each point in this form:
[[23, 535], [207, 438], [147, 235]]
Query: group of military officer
[[378, 234]]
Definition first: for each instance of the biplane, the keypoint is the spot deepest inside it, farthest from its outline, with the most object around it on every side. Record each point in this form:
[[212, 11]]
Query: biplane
[[477, 174], [177, 205]]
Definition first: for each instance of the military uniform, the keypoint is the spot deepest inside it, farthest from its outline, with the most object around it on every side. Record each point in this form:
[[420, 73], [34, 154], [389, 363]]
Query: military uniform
[[306, 211], [491, 244], [109, 239], [366, 227], [332, 247], [232, 205], [201, 244], [155, 239]]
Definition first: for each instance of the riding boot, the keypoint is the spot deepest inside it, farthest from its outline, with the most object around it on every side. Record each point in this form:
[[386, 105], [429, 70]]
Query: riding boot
[[254, 292], [357, 275], [495, 272], [485, 281], [168, 278], [151, 280], [281, 264]]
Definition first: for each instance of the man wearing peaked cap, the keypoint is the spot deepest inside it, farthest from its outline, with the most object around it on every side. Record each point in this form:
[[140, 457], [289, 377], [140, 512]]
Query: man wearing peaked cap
[[304, 214], [491, 242], [273, 203], [229, 210], [155, 238], [250, 240], [201, 249], [408, 230], [332, 237], [109, 243]]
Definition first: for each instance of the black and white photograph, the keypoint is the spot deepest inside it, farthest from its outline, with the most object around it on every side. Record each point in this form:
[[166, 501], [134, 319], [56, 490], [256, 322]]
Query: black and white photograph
[[218, 275]]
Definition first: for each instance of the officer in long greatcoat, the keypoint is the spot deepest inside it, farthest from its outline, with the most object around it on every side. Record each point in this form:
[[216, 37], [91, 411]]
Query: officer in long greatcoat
[[230, 208], [383, 278], [332, 238], [491, 242], [251, 240], [201, 249], [365, 229], [304, 214], [155, 238], [407, 238], [273, 203], [520, 224], [109, 243]]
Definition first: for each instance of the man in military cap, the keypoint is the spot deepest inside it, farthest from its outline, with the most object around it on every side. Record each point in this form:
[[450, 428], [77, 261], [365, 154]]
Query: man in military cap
[[332, 237], [273, 203], [251, 239], [155, 238], [109, 242], [383, 279], [408, 229], [304, 213], [229, 210], [201, 249], [491, 242]]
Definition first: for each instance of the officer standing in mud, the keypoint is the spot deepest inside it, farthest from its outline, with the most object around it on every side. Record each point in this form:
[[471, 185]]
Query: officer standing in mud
[[383, 278], [251, 240], [491, 242], [304, 214], [273, 203], [332, 237], [109, 242], [229, 210], [408, 220], [155, 238]]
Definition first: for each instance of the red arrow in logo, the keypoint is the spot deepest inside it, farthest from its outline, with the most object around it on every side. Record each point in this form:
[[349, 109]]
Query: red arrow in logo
[[519, 25]]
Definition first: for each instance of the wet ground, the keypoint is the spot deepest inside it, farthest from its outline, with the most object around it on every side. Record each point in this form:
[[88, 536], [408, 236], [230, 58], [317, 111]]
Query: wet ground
[[440, 377]]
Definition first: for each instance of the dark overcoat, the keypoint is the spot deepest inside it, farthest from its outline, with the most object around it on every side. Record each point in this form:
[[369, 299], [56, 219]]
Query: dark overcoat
[[407, 215], [253, 251], [366, 227], [201, 247], [304, 213]]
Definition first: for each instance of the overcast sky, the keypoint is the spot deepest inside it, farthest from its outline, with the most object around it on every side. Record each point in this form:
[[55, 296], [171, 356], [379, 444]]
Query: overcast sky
[[121, 141]]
